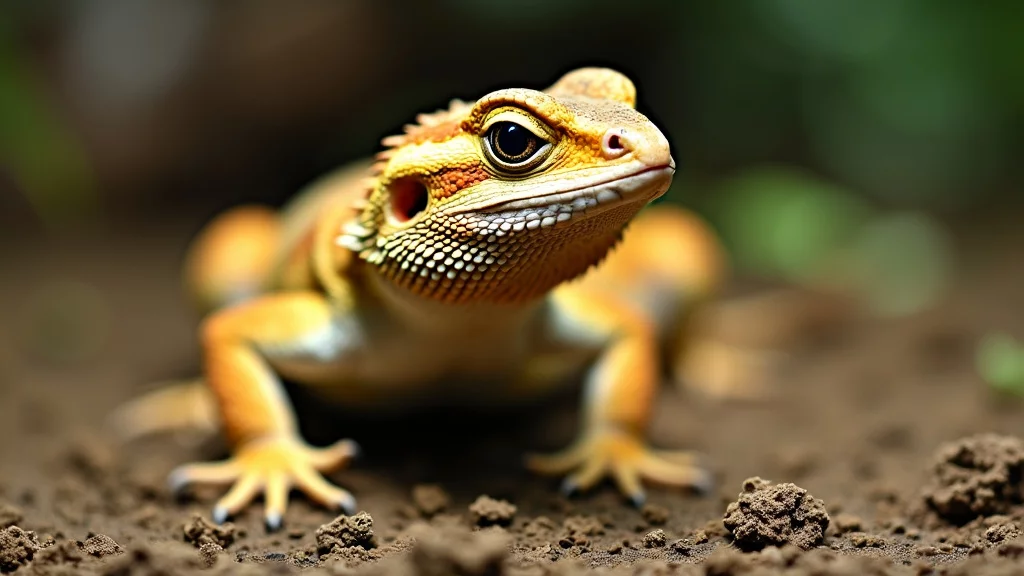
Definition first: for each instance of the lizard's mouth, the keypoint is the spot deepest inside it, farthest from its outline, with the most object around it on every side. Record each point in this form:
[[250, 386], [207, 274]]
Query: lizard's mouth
[[586, 198]]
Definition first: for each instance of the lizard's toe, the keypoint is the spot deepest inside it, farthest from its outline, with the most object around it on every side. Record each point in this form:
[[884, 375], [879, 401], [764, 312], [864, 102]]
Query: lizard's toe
[[241, 494], [323, 492], [675, 469], [626, 459], [218, 473], [334, 456], [558, 462]]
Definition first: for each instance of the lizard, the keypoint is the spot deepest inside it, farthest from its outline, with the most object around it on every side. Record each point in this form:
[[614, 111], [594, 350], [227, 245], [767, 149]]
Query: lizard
[[504, 239]]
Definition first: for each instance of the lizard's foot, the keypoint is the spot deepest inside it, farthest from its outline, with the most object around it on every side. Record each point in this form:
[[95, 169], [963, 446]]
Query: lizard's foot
[[272, 466], [627, 459]]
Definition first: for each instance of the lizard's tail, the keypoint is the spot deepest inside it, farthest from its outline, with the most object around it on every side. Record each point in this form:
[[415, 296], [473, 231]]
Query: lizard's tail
[[178, 405]]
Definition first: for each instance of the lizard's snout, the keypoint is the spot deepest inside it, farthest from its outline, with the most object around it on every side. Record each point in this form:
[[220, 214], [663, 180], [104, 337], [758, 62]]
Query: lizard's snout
[[649, 147]]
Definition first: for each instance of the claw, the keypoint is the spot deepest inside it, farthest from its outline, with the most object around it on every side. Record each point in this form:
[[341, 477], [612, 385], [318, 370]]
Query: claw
[[704, 483], [638, 499], [569, 488], [273, 521], [177, 482], [355, 451], [347, 505], [220, 515]]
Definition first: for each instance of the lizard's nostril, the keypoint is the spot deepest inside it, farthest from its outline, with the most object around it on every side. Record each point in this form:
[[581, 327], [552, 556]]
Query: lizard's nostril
[[615, 143]]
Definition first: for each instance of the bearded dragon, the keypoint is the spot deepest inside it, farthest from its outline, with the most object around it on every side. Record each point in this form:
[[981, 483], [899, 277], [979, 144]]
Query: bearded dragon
[[467, 251]]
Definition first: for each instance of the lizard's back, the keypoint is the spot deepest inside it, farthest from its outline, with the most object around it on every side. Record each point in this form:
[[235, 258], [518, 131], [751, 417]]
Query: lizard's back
[[248, 250]]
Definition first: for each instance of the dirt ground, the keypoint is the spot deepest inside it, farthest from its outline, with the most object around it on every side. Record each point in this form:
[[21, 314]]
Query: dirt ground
[[874, 425]]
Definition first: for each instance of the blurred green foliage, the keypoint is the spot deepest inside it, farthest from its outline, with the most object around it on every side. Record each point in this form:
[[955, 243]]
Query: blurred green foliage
[[911, 102], [785, 224], [45, 160], [1000, 362], [782, 222]]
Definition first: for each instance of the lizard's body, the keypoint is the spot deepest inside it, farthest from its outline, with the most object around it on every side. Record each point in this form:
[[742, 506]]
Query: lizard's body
[[453, 275]]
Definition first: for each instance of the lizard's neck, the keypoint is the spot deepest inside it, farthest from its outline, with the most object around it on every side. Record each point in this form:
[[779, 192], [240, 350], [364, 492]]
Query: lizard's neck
[[430, 316]]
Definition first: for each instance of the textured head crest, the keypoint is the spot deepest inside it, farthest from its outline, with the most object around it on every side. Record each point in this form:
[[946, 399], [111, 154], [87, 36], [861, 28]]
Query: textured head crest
[[596, 83]]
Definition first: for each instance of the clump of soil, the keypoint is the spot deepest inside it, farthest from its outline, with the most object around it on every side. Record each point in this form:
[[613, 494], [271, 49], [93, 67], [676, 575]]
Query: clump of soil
[[201, 532], [1002, 532], [655, 539], [487, 511], [976, 476], [17, 547], [775, 514], [346, 532], [101, 545], [430, 499]]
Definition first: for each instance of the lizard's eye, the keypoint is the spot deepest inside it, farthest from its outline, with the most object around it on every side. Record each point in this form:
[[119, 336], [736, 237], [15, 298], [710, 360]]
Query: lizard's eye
[[514, 148]]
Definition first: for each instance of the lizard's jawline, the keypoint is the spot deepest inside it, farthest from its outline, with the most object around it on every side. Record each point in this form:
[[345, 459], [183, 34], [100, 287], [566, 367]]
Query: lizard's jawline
[[585, 201]]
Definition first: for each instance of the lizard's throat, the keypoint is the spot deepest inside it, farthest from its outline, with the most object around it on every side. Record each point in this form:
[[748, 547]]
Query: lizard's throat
[[517, 267]]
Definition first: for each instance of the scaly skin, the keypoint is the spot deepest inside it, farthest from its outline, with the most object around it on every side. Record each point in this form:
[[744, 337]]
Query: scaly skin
[[453, 262]]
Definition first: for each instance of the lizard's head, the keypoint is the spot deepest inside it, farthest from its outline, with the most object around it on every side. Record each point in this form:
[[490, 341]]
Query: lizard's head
[[503, 199]]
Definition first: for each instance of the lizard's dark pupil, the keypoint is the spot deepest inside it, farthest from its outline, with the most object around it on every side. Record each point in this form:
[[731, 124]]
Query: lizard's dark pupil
[[511, 142]]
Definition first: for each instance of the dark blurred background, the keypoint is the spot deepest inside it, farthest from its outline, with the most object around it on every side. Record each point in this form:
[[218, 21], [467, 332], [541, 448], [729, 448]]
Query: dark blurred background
[[804, 129]]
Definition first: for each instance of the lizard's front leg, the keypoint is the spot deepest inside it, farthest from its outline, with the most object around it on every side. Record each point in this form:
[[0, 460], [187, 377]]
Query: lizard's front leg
[[618, 400], [268, 453]]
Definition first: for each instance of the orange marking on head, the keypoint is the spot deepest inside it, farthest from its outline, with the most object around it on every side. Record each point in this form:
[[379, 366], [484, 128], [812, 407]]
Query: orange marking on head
[[450, 180]]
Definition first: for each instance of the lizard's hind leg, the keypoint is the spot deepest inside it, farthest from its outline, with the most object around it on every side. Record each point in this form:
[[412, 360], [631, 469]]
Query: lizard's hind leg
[[233, 257], [184, 405], [679, 264]]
